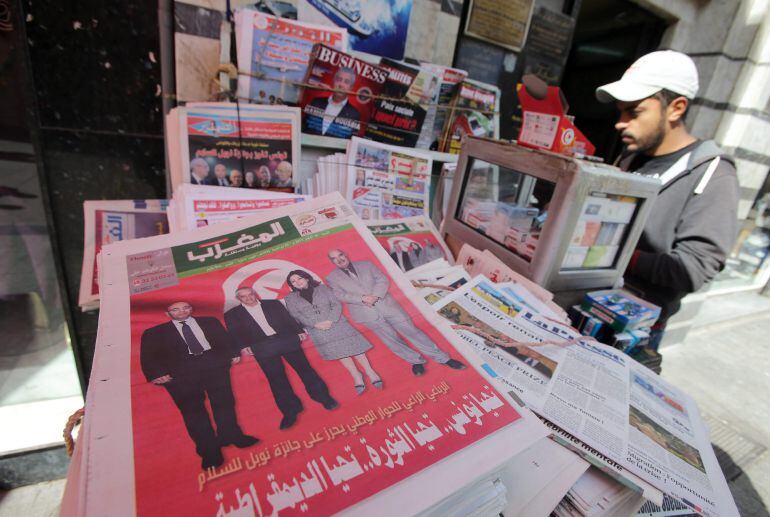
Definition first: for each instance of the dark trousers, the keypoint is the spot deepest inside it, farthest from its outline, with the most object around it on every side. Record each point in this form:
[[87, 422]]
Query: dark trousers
[[285, 398], [189, 395]]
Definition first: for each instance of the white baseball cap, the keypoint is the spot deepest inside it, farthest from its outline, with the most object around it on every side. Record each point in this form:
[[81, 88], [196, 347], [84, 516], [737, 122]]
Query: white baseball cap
[[651, 73]]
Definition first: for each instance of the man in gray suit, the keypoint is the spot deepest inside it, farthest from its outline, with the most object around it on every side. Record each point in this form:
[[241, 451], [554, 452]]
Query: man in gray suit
[[364, 288]]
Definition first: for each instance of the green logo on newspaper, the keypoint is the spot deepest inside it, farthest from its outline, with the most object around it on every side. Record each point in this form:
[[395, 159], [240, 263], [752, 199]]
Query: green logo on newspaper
[[234, 248], [388, 229]]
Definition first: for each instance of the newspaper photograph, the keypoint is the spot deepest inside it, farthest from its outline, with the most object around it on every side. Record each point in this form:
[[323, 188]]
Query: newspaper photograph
[[387, 182], [328, 380], [410, 242], [274, 53], [112, 221]]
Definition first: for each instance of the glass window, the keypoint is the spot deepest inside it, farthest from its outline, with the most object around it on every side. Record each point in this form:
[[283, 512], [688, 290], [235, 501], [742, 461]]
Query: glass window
[[508, 206]]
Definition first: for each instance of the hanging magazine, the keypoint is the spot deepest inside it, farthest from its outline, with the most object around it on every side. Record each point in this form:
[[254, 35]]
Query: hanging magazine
[[340, 94], [273, 55]]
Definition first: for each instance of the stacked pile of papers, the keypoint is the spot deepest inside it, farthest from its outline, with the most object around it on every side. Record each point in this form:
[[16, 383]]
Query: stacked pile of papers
[[379, 181], [233, 145], [408, 371], [196, 206], [645, 433], [596, 493], [111, 221], [369, 417]]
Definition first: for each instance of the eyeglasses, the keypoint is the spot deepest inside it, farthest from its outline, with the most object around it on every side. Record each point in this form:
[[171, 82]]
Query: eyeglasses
[[180, 309]]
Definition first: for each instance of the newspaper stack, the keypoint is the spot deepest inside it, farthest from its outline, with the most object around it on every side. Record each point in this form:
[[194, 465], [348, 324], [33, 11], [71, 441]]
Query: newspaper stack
[[332, 175], [379, 181], [196, 206], [233, 145], [597, 401], [596, 494], [111, 221], [364, 422]]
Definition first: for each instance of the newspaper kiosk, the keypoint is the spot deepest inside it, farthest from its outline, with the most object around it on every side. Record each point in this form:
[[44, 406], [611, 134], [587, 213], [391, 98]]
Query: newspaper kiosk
[[568, 224]]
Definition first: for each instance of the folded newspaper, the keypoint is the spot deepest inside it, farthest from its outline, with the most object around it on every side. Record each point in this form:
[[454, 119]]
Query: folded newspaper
[[627, 418], [195, 206], [385, 406], [233, 145], [111, 221]]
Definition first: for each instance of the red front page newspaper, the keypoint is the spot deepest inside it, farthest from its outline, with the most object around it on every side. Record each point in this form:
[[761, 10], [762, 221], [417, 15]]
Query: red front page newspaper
[[391, 438]]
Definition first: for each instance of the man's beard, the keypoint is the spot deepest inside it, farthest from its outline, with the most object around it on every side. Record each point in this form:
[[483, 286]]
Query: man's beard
[[651, 142]]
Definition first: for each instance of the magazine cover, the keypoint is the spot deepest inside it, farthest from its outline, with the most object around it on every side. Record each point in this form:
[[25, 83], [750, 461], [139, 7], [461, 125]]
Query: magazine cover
[[472, 113], [410, 242], [326, 382], [442, 84], [277, 50], [393, 121], [112, 221], [376, 27], [246, 146], [340, 101], [387, 182]]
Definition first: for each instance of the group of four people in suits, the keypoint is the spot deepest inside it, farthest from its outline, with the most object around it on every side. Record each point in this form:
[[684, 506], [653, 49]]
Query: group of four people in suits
[[191, 356]]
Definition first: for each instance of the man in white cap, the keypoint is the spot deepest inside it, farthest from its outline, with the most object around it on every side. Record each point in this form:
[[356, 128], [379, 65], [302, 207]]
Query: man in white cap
[[693, 224]]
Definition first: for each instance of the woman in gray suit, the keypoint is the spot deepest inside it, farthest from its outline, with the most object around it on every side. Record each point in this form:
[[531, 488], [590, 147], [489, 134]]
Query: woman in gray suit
[[316, 308]]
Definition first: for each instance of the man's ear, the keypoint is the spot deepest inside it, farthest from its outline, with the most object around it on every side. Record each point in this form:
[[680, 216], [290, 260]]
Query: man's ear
[[676, 109]]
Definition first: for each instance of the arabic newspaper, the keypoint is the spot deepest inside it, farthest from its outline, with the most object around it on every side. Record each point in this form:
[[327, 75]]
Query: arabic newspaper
[[235, 145], [343, 438], [387, 182], [410, 242], [275, 53], [195, 206], [111, 221], [594, 392]]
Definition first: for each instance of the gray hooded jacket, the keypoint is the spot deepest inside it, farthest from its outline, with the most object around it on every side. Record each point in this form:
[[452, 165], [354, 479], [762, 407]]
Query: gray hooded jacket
[[690, 231]]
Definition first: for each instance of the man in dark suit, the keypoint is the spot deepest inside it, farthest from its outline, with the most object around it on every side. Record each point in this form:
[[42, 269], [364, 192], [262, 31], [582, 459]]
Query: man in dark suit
[[266, 330], [333, 115], [199, 171], [191, 358]]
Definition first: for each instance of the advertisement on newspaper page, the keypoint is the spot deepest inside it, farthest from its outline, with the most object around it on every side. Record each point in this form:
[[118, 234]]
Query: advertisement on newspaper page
[[296, 328]]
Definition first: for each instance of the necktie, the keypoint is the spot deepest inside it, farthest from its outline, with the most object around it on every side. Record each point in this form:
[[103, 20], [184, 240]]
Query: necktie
[[192, 342]]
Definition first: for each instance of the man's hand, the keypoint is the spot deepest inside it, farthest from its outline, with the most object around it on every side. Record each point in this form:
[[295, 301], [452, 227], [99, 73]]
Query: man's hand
[[302, 336], [247, 351], [323, 325], [370, 299], [163, 379], [235, 360]]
